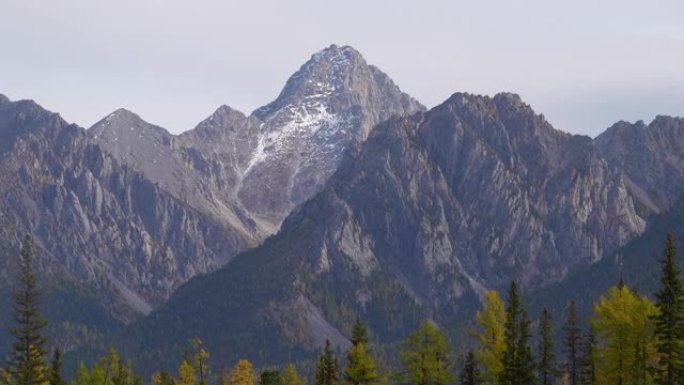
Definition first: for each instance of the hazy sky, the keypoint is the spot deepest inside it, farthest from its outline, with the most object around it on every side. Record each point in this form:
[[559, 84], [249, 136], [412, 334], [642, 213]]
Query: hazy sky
[[584, 64]]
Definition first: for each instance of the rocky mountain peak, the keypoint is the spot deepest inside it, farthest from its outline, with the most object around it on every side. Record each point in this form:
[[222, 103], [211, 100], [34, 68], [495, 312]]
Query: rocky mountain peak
[[20, 117], [333, 100], [129, 138], [127, 127], [225, 120], [3, 99], [652, 156], [335, 79]]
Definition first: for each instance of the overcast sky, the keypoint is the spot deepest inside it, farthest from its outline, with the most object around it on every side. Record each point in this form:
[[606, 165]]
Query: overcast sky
[[584, 64]]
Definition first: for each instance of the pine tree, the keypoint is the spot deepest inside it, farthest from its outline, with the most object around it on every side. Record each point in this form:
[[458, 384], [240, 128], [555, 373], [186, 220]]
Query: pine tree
[[669, 322], [425, 357], [166, 378], [547, 370], [291, 377], [359, 333], [327, 367], [470, 373], [490, 337], [588, 362], [362, 368], [26, 358], [517, 360], [270, 377], [572, 340], [526, 364], [56, 369]]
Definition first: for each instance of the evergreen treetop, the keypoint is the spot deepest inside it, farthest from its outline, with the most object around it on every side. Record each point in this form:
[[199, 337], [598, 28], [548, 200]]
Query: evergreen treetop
[[27, 365], [359, 333], [669, 320]]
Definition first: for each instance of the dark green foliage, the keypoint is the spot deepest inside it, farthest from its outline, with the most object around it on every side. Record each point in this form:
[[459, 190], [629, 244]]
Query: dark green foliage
[[359, 333], [470, 373], [517, 360], [56, 369], [270, 377], [572, 341], [546, 368], [327, 367], [669, 322], [588, 362], [26, 358]]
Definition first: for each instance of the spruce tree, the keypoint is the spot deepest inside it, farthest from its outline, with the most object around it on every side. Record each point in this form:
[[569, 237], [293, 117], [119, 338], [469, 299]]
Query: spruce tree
[[359, 333], [572, 340], [270, 377], [26, 363], [327, 367], [588, 362], [526, 364], [470, 374], [56, 369], [547, 370], [669, 322], [517, 360]]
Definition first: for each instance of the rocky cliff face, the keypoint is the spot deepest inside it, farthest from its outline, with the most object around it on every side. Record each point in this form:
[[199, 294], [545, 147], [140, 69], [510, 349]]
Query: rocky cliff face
[[334, 99], [96, 219], [432, 210], [652, 157], [251, 171], [135, 211]]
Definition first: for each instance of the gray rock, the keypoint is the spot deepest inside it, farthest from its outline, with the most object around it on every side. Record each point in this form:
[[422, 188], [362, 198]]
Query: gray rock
[[135, 211]]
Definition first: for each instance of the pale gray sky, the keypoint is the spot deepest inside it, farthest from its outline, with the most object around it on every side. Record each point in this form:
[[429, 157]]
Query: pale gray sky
[[584, 64]]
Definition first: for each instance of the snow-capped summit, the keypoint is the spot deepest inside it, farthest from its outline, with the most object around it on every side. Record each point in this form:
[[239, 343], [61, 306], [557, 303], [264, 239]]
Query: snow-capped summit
[[335, 98]]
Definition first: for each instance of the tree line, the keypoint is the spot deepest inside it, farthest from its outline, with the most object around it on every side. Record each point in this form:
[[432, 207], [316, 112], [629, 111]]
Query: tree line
[[629, 339]]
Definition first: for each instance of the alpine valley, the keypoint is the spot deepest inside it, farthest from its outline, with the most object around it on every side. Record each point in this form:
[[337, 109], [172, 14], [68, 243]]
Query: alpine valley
[[266, 234]]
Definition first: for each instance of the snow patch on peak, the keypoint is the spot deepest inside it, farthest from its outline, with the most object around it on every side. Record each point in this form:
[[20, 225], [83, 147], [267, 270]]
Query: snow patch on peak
[[302, 122]]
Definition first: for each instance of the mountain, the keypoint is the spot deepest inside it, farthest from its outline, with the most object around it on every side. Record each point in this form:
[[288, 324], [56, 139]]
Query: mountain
[[110, 243], [333, 100], [248, 172], [344, 197], [429, 212], [419, 220], [125, 212], [251, 171]]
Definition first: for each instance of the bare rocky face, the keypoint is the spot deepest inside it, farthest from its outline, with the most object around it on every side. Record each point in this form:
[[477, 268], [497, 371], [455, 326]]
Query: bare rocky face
[[373, 202], [432, 210], [136, 211]]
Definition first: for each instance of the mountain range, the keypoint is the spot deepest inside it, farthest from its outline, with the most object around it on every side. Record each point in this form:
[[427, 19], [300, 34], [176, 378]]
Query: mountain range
[[266, 234]]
